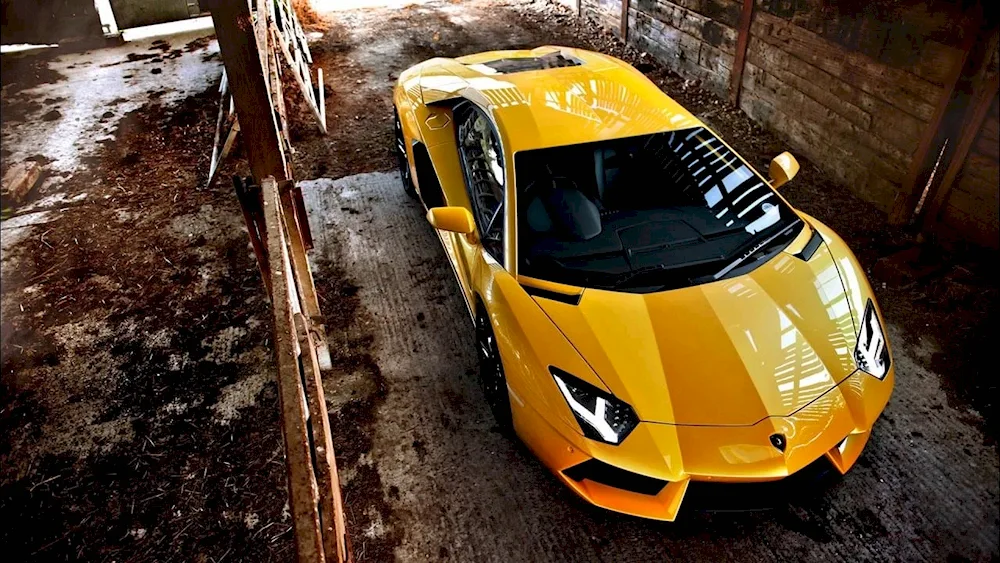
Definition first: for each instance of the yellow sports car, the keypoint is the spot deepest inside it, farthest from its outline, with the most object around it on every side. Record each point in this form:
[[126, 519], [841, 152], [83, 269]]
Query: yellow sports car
[[651, 315]]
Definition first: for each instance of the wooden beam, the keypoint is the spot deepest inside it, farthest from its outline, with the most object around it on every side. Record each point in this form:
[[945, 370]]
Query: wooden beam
[[253, 215], [322, 94], [303, 489], [330, 500], [742, 41], [248, 82], [303, 278], [983, 96], [624, 20], [930, 143]]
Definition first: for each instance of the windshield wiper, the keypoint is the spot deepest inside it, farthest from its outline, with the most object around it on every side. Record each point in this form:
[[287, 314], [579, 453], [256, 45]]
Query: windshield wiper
[[753, 250]]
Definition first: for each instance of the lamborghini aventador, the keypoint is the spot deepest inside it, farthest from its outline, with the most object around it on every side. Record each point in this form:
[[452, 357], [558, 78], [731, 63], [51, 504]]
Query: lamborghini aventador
[[650, 313]]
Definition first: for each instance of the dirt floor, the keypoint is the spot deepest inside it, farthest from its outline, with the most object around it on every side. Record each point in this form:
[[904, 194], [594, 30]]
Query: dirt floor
[[138, 405], [139, 414]]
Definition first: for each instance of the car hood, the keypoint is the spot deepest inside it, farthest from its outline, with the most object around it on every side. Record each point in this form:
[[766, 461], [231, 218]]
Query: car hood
[[727, 353]]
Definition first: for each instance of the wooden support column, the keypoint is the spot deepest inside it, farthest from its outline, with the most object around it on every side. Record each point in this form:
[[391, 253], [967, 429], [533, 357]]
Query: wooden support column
[[248, 81], [624, 21], [742, 41], [931, 140], [983, 96]]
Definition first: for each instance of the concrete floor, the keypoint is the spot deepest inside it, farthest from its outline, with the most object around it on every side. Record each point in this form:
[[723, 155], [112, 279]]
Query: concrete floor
[[138, 409], [925, 490]]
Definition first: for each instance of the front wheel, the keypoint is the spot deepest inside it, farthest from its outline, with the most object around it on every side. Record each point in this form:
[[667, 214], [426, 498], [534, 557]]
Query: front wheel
[[401, 160], [491, 374]]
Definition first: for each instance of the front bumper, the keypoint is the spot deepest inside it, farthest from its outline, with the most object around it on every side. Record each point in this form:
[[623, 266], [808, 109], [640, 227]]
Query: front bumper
[[649, 473]]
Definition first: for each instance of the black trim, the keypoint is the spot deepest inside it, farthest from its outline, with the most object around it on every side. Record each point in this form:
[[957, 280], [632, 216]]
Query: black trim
[[809, 482], [811, 247], [553, 295], [600, 472], [427, 180], [523, 64]]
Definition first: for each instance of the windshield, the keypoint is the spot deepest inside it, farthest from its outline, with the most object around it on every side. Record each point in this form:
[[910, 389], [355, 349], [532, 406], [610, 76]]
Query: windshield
[[645, 213]]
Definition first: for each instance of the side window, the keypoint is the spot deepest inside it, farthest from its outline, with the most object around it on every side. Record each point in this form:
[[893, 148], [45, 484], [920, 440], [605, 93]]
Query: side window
[[483, 167]]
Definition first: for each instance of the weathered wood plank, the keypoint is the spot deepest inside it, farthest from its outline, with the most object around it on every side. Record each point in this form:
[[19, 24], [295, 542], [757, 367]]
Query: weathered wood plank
[[812, 81], [304, 281], [980, 175], [20, 178], [715, 33], [330, 501], [739, 61], [901, 89], [623, 23], [980, 217], [853, 103], [799, 107], [302, 486], [934, 62], [300, 71], [723, 11]]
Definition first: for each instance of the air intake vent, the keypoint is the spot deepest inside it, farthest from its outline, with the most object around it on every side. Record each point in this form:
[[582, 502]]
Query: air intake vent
[[522, 64], [600, 472]]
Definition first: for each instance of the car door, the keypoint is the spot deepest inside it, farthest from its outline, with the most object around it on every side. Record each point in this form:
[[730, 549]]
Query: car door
[[482, 163]]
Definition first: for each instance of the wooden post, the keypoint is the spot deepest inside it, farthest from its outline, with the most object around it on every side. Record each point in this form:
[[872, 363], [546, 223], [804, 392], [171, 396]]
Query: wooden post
[[624, 21], [253, 215], [303, 489], [742, 41], [983, 98], [248, 82], [929, 145]]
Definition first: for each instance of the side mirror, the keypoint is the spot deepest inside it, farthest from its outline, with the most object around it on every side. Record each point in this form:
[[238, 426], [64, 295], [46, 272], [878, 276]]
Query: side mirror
[[453, 219], [784, 167]]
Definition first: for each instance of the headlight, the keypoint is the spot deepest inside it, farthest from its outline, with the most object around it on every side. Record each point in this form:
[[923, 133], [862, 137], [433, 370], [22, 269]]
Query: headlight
[[872, 354], [601, 416]]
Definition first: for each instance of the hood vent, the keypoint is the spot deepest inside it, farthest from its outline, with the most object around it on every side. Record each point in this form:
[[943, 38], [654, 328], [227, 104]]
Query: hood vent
[[811, 247], [524, 64]]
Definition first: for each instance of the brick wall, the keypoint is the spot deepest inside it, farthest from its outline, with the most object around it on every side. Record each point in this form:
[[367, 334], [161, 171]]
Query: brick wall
[[850, 85]]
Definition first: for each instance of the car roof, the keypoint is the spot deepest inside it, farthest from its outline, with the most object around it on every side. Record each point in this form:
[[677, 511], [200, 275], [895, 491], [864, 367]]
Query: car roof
[[592, 97]]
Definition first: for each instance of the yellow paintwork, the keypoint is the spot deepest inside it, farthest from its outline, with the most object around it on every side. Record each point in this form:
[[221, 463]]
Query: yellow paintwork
[[783, 168], [712, 370], [454, 219]]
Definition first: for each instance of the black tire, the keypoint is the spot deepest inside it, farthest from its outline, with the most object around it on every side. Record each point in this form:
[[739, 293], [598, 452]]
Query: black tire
[[491, 374], [399, 142]]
